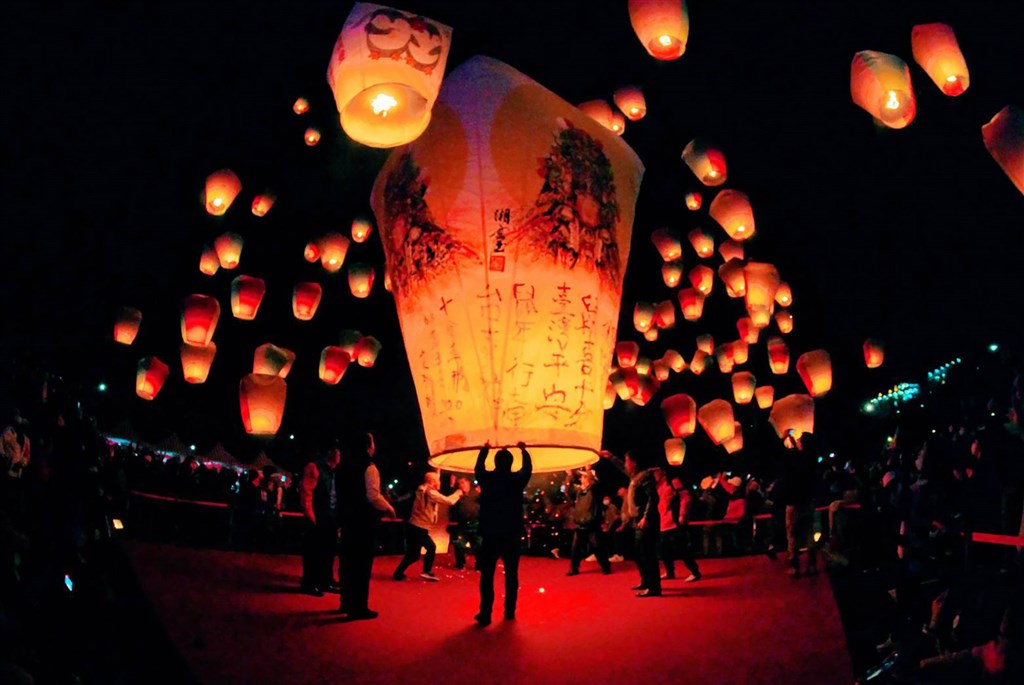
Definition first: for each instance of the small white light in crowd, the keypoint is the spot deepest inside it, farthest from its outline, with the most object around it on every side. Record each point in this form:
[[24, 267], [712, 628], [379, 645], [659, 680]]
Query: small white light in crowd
[[291, 436], [192, 447], [817, 536]]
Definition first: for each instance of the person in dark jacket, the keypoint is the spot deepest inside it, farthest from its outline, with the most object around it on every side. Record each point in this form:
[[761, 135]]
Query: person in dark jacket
[[642, 507], [465, 523], [320, 506], [586, 515], [797, 496]]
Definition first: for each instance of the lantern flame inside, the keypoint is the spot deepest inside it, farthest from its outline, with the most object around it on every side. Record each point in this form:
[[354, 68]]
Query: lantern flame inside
[[382, 104]]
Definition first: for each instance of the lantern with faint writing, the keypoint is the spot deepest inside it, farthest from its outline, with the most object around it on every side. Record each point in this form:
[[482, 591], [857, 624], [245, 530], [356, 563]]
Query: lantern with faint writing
[[367, 351], [208, 262], [361, 229], [706, 162], [702, 278], [735, 443], [667, 242], [936, 49], [360, 280], [262, 203], [691, 302], [674, 360], [262, 399], [272, 360], [880, 85], [661, 25], [385, 74], [784, 320], [665, 315], [199, 315], [783, 295], [778, 356], [305, 300], [600, 111], [1004, 140], [743, 384], [730, 249], [126, 325], [675, 451], [703, 244], [246, 295], [749, 333], [716, 418], [196, 361], [680, 414], [874, 353], [731, 209], [333, 363], [222, 187], [150, 377], [229, 249], [815, 369], [793, 413], [630, 101], [694, 201], [332, 248], [672, 273], [733, 277], [531, 285], [765, 395], [627, 352], [300, 106]]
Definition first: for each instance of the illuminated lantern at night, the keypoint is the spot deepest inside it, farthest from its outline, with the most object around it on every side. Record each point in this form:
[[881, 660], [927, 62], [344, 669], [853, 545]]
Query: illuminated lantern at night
[[618, 380], [761, 283], [126, 325], [367, 350], [1004, 140], [150, 377], [706, 344], [272, 360], [730, 249], [705, 161], [731, 209], [880, 85], [387, 280], [311, 136], [703, 244], [333, 363], [609, 396], [874, 353], [222, 187], [349, 340], [937, 51], [778, 356], [735, 443], [660, 370], [361, 229], [759, 316], [691, 302], [765, 395], [643, 316], [651, 334], [749, 333], [717, 420], [733, 277], [196, 362], [643, 365], [665, 315], [723, 357], [740, 352], [648, 386], [465, 281], [680, 414], [784, 296], [743, 384], [784, 320], [333, 247], [815, 369], [360, 280], [618, 124], [301, 106], [385, 74], [262, 399], [699, 362], [246, 295], [229, 249], [694, 201], [306, 300], [312, 252], [208, 262], [661, 25], [793, 412], [630, 101], [674, 360], [199, 315], [702, 278], [667, 242], [672, 273], [262, 203], [598, 110], [675, 451]]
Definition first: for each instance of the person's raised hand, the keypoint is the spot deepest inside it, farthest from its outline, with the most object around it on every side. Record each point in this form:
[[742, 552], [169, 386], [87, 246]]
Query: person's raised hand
[[521, 445]]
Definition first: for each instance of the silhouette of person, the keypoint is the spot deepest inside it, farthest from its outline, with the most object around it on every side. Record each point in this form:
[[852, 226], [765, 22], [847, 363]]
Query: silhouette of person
[[501, 526]]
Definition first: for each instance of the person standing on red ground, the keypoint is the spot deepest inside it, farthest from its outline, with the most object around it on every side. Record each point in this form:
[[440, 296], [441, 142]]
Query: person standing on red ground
[[586, 514], [417, 528], [320, 506], [672, 542], [642, 507]]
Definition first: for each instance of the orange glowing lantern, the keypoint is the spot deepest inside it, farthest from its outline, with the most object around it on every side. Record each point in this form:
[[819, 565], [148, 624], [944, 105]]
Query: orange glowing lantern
[[778, 356], [815, 369], [630, 101], [674, 360], [643, 316], [246, 295], [759, 316], [208, 262], [301, 106], [618, 124], [691, 302], [874, 353], [618, 380], [333, 363], [672, 273], [735, 443], [706, 344], [784, 296], [793, 413], [730, 249], [667, 242], [743, 384], [702, 278], [222, 187], [367, 350], [937, 51], [262, 399], [675, 451], [880, 85], [749, 333], [643, 365], [126, 325], [731, 209], [705, 161], [765, 395], [784, 320], [196, 362], [312, 252], [272, 360], [262, 203], [665, 315], [651, 334], [680, 414], [699, 362], [599, 111], [349, 340], [661, 25], [361, 229], [694, 201], [733, 277], [609, 396], [740, 352], [333, 248], [717, 420], [703, 244], [150, 377], [360, 280], [723, 357], [457, 280], [648, 386], [1004, 140], [306, 299], [660, 370], [761, 283], [199, 315], [229, 249], [311, 136]]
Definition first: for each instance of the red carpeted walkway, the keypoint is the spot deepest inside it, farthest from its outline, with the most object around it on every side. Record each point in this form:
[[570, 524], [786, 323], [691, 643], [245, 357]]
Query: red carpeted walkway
[[237, 618]]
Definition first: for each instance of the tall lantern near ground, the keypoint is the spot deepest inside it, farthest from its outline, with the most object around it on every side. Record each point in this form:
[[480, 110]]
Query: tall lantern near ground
[[731, 209], [196, 362], [262, 399], [270, 359], [661, 25], [680, 414], [765, 395], [246, 295], [306, 300], [880, 85], [199, 316], [333, 363], [815, 369], [229, 249], [506, 229], [385, 73], [150, 377], [937, 51], [1004, 140], [126, 325], [222, 187], [874, 353], [706, 162], [793, 413], [743, 383], [716, 418], [675, 451], [630, 101]]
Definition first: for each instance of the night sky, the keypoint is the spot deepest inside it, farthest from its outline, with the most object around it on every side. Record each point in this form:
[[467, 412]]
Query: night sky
[[114, 113]]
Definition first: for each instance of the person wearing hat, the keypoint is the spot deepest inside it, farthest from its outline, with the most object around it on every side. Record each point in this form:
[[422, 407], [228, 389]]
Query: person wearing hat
[[586, 514], [320, 506], [642, 507]]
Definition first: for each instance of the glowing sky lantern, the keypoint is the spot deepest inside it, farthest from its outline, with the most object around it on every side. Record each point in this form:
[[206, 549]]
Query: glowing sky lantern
[[874, 353], [748, 332], [880, 84], [126, 325], [385, 73], [150, 377], [367, 351], [699, 362], [667, 242], [618, 380], [273, 360], [311, 252], [643, 316], [793, 412], [706, 343], [306, 299], [784, 320], [740, 351], [723, 358], [333, 363], [778, 356], [609, 396], [675, 451], [761, 283], [680, 413], [261, 400], [229, 249], [361, 229], [732, 276], [196, 361], [661, 25], [784, 296], [691, 303], [706, 162], [600, 111], [815, 369], [618, 124], [648, 386], [208, 262], [765, 395], [465, 280], [360, 280], [743, 384], [630, 101], [333, 248], [735, 443], [311, 137], [643, 365], [651, 334], [665, 315], [262, 203], [731, 209], [717, 420], [246, 295], [199, 315], [703, 244], [694, 201], [672, 273], [1004, 140], [702, 278], [222, 187], [300, 106], [674, 360], [661, 370], [937, 51], [730, 249]]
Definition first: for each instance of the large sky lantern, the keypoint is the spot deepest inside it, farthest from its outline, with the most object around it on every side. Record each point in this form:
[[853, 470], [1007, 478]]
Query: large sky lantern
[[716, 418], [228, 247], [765, 396], [651, 334], [261, 400], [793, 412], [784, 320], [262, 203], [732, 276], [706, 343], [361, 229], [706, 162], [367, 351], [643, 316], [680, 414], [306, 300], [730, 249], [732, 210], [743, 384], [196, 362], [691, 303], [630, 101], [199, 316], [311, 136], [506, 227], [385, 73], [694, 201], [699, 362], [126, 325], [936, 49], [273, 360], [665, 314], [815, 369], [222, 187], [360, 280], [150, 377], [735, 443], [874, 353], [600, 111], [246, 295], [334, 362], [748, 332], [1004, 140], [778, 356], [668, 244], [675, 451], [703, 244], [672, 273], [348, 340], [784, 295], [662, 26], [333, 248], [880, 85], [702, 278], [208, 262]]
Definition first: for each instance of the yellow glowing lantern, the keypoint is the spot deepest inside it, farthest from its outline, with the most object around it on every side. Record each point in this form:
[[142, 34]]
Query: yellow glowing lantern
[[759, 316], [793, 413], [703, 244], [717, 420], [740, 352], [672, 273], [208, 262], [674, 360], [262, 203], [196, 361], [609, 396], [660, 370], [761, 283], [815, 369], [1004, 140], [311, 136], [301, 106], [360, 280], [651, 334], [643, 316], [361, 229], [126, 325], [667, 242], [643, 366], [306, 299], [784, 320], [694, 201], [784, 296], [665, 315], [627, 352], [778, 356], [333, 247], [735, 443], [312, 252], [705, 161], [874, 353], [702, 278], [150, 377], [680, 414], [675, 451], [730, 249], [749, 333], [880, 85], [229, 249], [599, 111], [731, 209], [936, 49], [661, 25], [732, 276], [699, 362], [246, 295], [723, 358], [333, 363], [630, 101], [385, 73], [272, 360], [706, 344], [367, 351], [743, 384], [618, 124], [262, 399], [618, 380], [765, 395], [691, 302], [531, 292], [222, 187], [199, 315]]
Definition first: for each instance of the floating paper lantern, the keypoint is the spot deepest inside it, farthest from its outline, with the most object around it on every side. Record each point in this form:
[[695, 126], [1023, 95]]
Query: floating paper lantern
[[731, 209], [761, 281], [703, 244], [765, 395], [262, 203], [609, 396], [305, 300], [733, 277], [229, 249], [661, 25], [702, 278], [651, 334], [693, 201], [196, 362], [675, 451], [740, 352], [150, 377], [361, 229], [630, 101], [730, 249], [759, 316], [333, 248], [311, 136], [784, 320], [660, 370], [648, 386], [749, 333], [385, 74], [723, 357], [705, 161], [246, 295], [735, 443], [262, 399], [706, 344], [880, 85], [672, 273], [793, 413], [691, 302], [680, 414], [126, 325], [665, 315], [643, 316], [667, 242], [367, 351], [222, 187], [674, 360], [599, 111], [272, 360], [618, 124], [301, 106], [349, 340], [815, 369], [743, 384], [360, 280], [511, 291], [936, 49], [717, 420], [333, 363], [618, 380], [1004, 140], [208, 262], [699, 362], [199, 315], [778, 356], [874, 353], [643, 365], [312, 252], [784, 296]]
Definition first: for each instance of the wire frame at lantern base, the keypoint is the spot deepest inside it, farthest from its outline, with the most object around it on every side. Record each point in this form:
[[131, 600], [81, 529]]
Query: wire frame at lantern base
[[552, 457]]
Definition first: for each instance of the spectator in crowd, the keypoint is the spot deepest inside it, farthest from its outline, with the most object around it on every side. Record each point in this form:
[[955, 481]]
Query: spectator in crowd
[[425, 507], [586, 516], [320, 508], [465, 521], [642, 508]]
